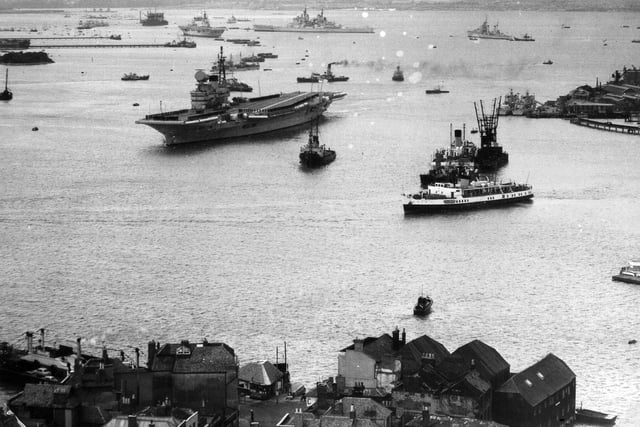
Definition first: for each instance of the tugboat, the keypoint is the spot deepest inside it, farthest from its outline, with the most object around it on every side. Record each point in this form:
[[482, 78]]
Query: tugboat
[[436, 90], [134, 76], [480, 193], [452, 163], [590, 416], [6, 94], [423, 306], [629, 273], [214, 116], [398, 75], [327, 75], [548, 62], [313, 154], [490, 156]]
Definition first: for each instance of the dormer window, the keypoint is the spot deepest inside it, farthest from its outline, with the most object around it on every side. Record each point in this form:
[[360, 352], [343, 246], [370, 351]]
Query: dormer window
[[183, 350], [539, 374], [529, 383]]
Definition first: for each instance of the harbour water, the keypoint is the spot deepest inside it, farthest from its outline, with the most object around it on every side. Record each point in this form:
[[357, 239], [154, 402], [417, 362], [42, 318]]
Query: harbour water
[[109, 235]]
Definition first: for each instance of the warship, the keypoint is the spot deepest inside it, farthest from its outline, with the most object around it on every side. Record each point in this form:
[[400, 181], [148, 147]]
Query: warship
[[213, 116], [200, 27], [303, 23]]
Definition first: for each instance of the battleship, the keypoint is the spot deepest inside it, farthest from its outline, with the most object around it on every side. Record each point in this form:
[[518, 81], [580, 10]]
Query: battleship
[[303, 23], [213, 116], [515, 104], [200, 27], [484, 31]]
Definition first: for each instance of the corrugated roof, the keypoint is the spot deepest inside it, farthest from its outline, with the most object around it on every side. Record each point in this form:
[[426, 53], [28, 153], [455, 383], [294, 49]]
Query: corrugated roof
[[539, 381], [263, 373]]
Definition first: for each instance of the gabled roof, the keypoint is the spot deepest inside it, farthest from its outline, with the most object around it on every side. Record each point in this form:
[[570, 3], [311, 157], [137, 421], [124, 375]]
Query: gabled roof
[[376, 348], [263, 373], [486, 358], [194, 358], [365, 408], [413, 351], [45, 396], [539, 381], [340, 421]]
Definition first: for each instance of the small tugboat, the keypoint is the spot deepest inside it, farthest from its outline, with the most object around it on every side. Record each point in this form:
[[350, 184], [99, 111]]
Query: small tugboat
[[134, 76], [436, 90], [480, 193], [490, 156], [398, 75], [423, 306], [6, 94], [190, 44], [313, 154], [594, 417], [629, 273], [525, 38], [548, 62], [327, 75]]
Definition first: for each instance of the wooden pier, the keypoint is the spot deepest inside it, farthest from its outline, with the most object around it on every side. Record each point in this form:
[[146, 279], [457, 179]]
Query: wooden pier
[[608, 126]]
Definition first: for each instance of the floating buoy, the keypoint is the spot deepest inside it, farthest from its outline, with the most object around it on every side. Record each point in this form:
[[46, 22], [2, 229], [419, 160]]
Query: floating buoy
[[35, 128], [632, 341]]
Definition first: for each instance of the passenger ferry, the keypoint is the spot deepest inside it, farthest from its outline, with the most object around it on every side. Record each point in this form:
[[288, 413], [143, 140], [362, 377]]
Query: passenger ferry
[[481, 193]]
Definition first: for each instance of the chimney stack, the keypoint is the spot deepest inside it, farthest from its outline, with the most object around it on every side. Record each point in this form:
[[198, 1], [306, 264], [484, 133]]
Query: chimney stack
[[358, 345], [105, 356], [426, 416], [151, 353], [79, 341], [404, 337], [42, 337], [132, 421], [457, 138], [137, 350], [29, 342], [396, 338], [352, 412]]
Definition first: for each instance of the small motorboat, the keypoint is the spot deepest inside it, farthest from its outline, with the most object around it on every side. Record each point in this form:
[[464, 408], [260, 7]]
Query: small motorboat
[[423, 306], [548, 62], [398, 75], [6, 95], [629, 273], [589, 416]]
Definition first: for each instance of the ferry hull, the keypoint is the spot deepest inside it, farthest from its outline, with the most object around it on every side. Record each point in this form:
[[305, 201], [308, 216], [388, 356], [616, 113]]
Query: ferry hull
[[626, 279], [428, 206], [183, 132]]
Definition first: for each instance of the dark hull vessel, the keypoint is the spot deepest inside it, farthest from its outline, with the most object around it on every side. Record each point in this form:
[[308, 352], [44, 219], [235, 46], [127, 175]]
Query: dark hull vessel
[[453, 163], [594, 417], [435, 91], [6, 94], [490, 156], [423, 306], [14, 44], [327, 75], [153, 19], [313, 154], [214, 117], [398, 75], [629, 273]]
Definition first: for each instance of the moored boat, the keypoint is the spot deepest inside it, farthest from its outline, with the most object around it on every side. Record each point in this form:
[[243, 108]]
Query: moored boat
[[436, 90], [201, 27], [423, 306], [490, 156], [589, 416], [153, 19], [182, 43], [452, 163], [313, 153], [6, 94], [548, 62], [480, 193], [303, 23], [630, 273], [213, 116], [134, 76], [398, 75], [525, 38]]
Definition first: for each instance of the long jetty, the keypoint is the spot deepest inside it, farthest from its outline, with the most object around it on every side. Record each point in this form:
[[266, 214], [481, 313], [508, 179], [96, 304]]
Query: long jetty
[[608, 126], [64, 46]]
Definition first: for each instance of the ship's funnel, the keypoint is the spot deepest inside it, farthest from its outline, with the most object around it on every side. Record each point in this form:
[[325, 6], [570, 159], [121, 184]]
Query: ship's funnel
[[457, 138]]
